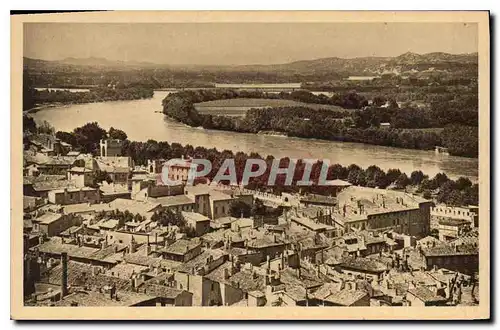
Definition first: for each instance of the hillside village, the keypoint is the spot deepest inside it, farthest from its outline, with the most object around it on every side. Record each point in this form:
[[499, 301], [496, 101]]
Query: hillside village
[[130, 240]]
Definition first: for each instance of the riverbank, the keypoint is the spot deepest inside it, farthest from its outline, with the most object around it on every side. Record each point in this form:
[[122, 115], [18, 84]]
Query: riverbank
[[42, 107], [445, 190], [139, 119], [34, 98], [304, 122]]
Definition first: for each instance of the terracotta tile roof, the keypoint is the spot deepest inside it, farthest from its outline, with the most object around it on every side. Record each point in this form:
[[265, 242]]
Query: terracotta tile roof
[[363, 264], [85, 207], [48, 218], [448, 250], [194, 216], [77, 169], [318, 199], [308, 278], [52, 185], [265, 241], [77, 273], [140, 259], [56, 247], [182, 246], [133, 206], [297, 293], [218, 274], [248, 281], [468, 238], [31, 202], [161, 291], [346, 297], [326, 290], [125, 270], [90, 298], [199, 261], [426, 295], [306, 222], [174, 200], [108, 251]]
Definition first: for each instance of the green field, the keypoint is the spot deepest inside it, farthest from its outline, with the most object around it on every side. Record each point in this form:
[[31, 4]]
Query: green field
[[239, 106]]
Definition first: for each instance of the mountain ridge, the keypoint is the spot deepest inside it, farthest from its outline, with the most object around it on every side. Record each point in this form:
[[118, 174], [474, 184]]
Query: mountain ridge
[[408, 56]]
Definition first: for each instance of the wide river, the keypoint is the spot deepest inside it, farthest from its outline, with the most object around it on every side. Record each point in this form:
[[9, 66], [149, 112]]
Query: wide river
[[141, 121]]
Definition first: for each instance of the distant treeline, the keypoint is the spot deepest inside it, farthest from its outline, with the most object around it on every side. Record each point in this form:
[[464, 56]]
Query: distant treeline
[[33, 97], [443, 189], [363, 126]]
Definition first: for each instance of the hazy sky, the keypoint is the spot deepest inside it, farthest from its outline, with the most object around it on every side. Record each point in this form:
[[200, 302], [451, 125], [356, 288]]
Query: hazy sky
[[242, 43]]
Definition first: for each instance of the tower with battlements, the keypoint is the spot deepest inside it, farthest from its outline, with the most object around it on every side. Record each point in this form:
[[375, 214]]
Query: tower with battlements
[[110, 147]]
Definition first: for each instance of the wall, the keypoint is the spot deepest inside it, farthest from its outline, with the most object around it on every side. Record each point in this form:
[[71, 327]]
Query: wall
[[178, 173], [196, 251], [201, 227], [120, 178], [74, 196], [137, 186], [231, 294], [414, 301], [56, 227], [197, 285], [184, 299], [110, 148], [365, 274], [202, 203], [164, 190], [255, 258], [272, 251], [81, 179], [461, 263], [453, 212], [447, 233], [414, 222], [220, 209], [183, 207], [365, 301], [126, 238]]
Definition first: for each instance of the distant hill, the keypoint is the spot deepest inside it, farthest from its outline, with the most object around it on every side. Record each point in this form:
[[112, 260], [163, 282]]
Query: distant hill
[[361, 65], [90, 61]]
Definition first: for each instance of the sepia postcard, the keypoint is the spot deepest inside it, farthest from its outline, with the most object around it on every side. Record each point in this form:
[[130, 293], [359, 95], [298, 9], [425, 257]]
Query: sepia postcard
[[250, 165]]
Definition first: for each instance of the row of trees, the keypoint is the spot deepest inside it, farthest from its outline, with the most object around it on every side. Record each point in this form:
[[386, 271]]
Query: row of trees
[[304, 122], [180, 106], [167, 217], [33, 97], [440, 114], [86, 138], [453, 192], [239, 208], [122, 216]]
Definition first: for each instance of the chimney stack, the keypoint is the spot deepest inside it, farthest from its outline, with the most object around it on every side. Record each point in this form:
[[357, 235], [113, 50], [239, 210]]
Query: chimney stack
[[64, 274]]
